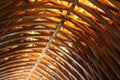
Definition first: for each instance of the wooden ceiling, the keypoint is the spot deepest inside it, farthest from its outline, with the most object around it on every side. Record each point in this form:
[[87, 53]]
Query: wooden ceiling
[[59, 40]]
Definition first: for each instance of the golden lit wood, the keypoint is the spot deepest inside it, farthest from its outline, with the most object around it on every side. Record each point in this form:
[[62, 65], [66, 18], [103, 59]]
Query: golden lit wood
[[59, 39]]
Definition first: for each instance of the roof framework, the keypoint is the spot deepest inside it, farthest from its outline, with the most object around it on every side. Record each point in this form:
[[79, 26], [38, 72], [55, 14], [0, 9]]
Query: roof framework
[[59, 39]]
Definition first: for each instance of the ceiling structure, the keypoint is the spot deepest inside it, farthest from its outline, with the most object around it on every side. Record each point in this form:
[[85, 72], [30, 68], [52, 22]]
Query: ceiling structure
[[59, 40]]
